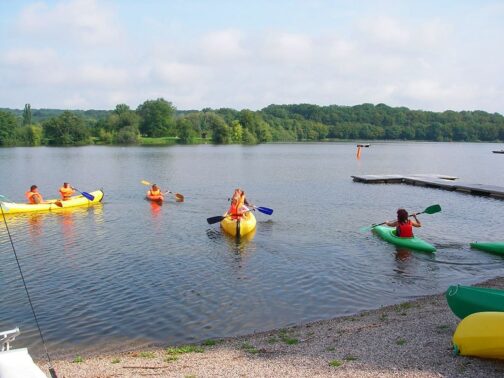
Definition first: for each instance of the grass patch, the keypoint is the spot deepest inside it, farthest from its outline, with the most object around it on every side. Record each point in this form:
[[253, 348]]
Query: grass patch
[[209, 342], [290, 340], [400, 341], [146, 354], [171, 358], [350, 358], [78, 360], [331, 349], [185, 349], [273, 340], [115, 361], [335, 363], [383, 317], [249, 348], [158, 141]]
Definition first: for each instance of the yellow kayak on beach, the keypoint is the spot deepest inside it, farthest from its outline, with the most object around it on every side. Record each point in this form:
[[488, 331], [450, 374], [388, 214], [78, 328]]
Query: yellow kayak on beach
[[51, 205], [239, 227], [480, 334]]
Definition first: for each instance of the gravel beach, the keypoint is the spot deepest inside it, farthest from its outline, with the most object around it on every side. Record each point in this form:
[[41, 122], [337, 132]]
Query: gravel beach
[[412, 339]]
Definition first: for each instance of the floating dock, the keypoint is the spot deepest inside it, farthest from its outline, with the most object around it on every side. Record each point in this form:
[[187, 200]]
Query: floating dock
[[435, 181]]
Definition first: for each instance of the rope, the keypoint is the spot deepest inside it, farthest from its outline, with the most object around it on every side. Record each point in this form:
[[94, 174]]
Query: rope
[[51, 369]]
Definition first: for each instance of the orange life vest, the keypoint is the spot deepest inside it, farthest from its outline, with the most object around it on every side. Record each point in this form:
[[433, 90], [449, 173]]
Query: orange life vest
[[66, 193], [30, 196], [154, 192]]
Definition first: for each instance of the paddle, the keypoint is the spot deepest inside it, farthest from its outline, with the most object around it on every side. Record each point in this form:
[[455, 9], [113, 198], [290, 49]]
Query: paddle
[[430, 210], [219, 218], [84, 194], [178, 197]]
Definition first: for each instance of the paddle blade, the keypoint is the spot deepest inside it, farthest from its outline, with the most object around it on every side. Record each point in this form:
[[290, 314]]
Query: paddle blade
[[88, 196], [58, 203], [145, 182], [213, 220], [433, 209], [265, 210], [179, 197]]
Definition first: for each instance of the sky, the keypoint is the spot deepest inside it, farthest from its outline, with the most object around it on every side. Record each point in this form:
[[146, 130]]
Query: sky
[[95, 54]]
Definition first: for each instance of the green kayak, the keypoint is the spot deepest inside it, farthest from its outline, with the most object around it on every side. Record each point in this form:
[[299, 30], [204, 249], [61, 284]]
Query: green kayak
[[492, 247], [389, 234], [466, 300]]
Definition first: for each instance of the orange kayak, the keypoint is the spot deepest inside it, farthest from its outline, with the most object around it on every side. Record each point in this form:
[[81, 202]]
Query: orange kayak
[[158, 199]]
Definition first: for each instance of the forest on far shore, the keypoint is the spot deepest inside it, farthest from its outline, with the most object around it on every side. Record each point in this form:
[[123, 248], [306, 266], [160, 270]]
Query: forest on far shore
[[159, 122]]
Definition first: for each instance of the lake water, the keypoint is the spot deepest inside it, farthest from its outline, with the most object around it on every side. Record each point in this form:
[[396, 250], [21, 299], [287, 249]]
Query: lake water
[[128, 273]]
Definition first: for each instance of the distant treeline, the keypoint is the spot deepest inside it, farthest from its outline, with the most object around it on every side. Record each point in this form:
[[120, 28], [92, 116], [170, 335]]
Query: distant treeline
[[159, 120]]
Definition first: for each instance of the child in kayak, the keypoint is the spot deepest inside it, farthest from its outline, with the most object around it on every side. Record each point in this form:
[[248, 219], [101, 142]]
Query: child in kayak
[[66, 191], [238, 204], [33, 196], [403, 225], [155, 193]]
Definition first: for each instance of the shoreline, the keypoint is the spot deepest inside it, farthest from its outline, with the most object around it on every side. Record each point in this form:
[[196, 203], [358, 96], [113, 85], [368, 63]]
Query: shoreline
[[410, 339]]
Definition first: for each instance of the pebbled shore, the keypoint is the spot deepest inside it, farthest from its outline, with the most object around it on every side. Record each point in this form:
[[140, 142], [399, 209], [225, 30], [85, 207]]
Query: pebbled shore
[[412, 339]]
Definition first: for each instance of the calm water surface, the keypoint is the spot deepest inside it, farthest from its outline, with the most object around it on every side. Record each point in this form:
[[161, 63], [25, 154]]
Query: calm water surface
[[127, 272]]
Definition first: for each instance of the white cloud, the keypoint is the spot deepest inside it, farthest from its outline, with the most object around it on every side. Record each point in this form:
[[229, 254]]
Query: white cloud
[[81, 21], [223, 45]]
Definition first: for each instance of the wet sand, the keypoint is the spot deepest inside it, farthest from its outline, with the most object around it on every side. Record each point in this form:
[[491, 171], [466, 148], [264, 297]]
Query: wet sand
[[412, 339]]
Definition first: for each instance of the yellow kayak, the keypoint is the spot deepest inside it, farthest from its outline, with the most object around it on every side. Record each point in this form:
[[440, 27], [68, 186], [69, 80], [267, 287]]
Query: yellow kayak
[[239, 227], [480, 334], [51, 205]]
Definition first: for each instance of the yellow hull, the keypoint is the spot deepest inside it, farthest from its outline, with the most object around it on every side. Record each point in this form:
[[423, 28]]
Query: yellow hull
[[481, 334], [76, 201], [240, 227]]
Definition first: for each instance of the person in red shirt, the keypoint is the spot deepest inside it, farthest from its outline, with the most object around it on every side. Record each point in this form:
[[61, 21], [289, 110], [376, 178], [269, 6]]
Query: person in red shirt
[[403, 225]]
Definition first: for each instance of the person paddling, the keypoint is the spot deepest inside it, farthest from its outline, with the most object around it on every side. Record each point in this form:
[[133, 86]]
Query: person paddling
[[66, 191], [239, 204], [33, 196], [403, 225], [155, 192]]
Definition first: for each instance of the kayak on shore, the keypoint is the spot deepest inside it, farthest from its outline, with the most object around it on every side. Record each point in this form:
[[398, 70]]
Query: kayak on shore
[[492, 247], [467, 300], [389, 235], [240, 226], [481, 335], [53, 204]]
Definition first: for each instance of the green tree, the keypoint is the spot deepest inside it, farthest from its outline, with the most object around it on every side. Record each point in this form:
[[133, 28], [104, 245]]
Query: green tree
[[27, 115], [220, 130], [236, 132], [186, 132], [8, 127], [157, 118], [66, 129], [128, 135]]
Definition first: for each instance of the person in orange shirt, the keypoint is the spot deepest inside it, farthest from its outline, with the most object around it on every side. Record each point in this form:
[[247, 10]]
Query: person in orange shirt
[[66, 191], [33, 196]]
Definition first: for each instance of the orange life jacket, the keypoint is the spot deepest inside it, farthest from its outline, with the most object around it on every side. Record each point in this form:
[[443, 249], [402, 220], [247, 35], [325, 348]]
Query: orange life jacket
[[154, 192], [30, 196], [66, 193]]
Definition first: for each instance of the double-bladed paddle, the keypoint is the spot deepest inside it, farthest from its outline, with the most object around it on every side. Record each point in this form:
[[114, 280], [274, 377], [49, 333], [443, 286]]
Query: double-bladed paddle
[[178, 197], [219, 218], [430, 210]]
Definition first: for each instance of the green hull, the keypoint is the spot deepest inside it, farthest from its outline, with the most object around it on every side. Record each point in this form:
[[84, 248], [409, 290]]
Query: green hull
[[492, 247], [388, 234], [467, 300]]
